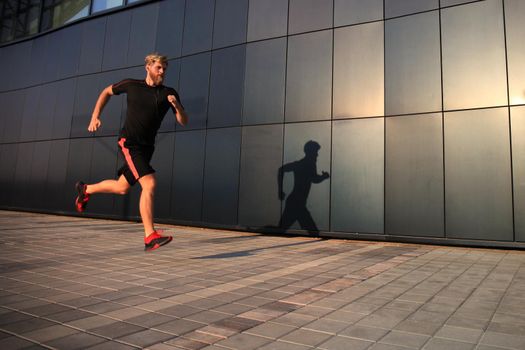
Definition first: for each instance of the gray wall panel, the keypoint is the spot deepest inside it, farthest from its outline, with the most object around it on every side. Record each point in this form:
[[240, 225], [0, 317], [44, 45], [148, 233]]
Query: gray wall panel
[[515, 32], [103, 166], [221, 176], [267, 19], [30, 114], [188, 168], [359, 71], [358, 176], [230, 25], [63, 114], [518, 162], [92, 49], [198, 26], [59, 197], [478, 189], [171, 79], [309, 77], [467, 32], [142, 34], [169, 28], [264, 82], [86, 96], [194, 86], [261, 157], [395, 8], [414, 197], [78, 167], [162, 162], [38, 176], [21, 195], [70, 46], [308, 15], [357, 11], [13, 109], [8, 157], [305, 185], [412, 66], [226, 87], [51, 63], [46, 111], [38, 60], [116, 41]]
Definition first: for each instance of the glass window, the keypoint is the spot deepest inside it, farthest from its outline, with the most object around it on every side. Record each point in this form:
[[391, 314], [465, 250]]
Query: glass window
[[518, 165], [57, 12], [514, 21], [18, 18], [309, 77], [359, 71], [357, 11], [101, 5], [412, 66], [267, 19], [307, 15], [414, 176], [474, 65], [394, 8], [358, 176], [264, 82], [478, 188]]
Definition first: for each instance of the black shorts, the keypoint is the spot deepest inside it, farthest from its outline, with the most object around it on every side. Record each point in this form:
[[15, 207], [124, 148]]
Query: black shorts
[[137, 159]]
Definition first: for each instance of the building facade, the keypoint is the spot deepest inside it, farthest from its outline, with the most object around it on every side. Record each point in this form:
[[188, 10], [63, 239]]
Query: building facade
[[394, 120]]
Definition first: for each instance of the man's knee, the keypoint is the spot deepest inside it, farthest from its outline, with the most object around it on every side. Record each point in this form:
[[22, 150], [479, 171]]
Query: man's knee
[[148, 183]]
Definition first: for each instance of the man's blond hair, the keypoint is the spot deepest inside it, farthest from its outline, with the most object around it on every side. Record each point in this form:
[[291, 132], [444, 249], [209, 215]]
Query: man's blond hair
[[155, 57]]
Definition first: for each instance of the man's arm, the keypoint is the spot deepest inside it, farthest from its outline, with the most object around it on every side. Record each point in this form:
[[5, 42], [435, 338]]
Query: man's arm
[[103, 98], [180, 113]]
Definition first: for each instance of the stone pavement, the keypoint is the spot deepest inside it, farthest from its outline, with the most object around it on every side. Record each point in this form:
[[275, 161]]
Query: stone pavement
[[77, 283]]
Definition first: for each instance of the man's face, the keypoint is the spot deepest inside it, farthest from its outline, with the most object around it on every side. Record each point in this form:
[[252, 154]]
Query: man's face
[[156, 72]]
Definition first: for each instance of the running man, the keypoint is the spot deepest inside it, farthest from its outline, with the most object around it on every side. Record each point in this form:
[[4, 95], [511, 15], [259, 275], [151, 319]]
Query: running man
[[148, 102]]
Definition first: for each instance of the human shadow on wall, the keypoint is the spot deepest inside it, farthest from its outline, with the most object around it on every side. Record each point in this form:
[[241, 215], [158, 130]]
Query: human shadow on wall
[[304, 175]]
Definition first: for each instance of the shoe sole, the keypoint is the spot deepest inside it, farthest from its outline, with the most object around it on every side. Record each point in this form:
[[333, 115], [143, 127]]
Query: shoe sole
[[157, 246]]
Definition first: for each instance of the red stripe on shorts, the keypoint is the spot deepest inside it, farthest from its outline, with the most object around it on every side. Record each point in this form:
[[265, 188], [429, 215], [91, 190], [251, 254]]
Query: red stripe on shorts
[[129, 161]]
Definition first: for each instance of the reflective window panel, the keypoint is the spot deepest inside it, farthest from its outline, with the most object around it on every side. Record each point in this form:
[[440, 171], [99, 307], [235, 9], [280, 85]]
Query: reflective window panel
[[264, 82], [169, 28], [414, 176], [101, 5], [473, 75], [478, 189], [193, 89], [226, 86], [308, 15], [261, 158], [357, 11], [394, 8], [188, 168], [514, 19], [306, 177], [358, 71], [221, 176], [518, 164], [358, 176], [198, 26], [412, 67], [267, 19], [309, 77], [230, 24]]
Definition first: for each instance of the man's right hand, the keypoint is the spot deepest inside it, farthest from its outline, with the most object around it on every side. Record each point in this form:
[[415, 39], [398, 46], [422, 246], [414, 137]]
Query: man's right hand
[[94, 124]]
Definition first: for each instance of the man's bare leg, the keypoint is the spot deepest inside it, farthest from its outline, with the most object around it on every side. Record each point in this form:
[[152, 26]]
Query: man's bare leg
[[147, 197], [120, 186]]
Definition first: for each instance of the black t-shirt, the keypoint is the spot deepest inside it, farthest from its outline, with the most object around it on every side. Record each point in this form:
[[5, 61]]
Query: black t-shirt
[[147, 106]]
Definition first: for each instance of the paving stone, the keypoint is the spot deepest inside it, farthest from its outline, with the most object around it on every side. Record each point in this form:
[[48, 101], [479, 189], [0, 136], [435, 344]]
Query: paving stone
[[75, 341], [47, 334], [445, 344], [344, 343], [146, 338], [409, 340]]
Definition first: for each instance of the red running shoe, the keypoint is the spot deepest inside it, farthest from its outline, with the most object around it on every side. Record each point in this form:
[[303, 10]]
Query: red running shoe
[[155, 240], [82, 198]]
